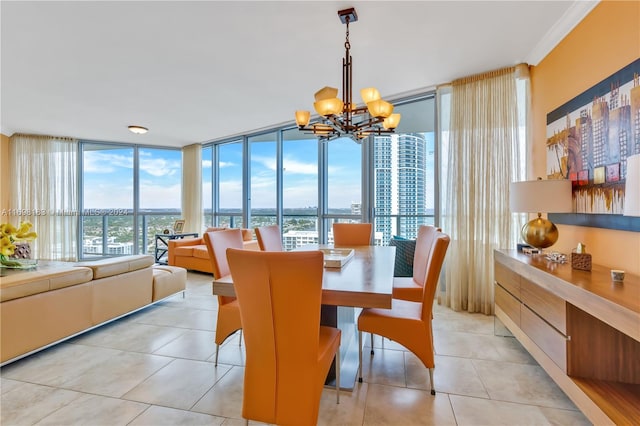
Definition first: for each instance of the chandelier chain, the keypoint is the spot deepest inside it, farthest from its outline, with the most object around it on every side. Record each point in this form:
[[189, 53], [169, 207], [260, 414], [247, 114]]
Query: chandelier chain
[[347, 45]]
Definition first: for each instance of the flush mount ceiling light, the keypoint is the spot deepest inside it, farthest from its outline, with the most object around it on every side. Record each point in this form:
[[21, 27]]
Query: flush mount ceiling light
[[138, 130], [343, 118]]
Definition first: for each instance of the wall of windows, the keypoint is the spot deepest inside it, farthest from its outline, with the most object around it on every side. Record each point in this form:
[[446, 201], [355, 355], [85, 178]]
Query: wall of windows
[[128, 194], [288, 178]]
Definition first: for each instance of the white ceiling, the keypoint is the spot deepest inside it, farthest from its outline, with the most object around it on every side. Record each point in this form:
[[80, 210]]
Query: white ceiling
[[204, 70]]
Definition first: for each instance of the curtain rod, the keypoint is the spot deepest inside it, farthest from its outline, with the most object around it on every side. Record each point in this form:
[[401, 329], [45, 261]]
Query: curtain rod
[[63, 138], [522, 70]]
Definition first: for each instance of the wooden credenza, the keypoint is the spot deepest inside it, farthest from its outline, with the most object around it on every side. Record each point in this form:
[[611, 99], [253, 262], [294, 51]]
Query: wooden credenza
[[583, 329]]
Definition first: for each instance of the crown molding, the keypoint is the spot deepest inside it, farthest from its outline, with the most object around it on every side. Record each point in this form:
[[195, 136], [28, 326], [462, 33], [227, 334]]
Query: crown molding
[[567, 22]]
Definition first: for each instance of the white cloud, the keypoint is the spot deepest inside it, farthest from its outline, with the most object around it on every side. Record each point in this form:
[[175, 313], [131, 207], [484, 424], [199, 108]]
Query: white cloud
[[120, 196], [268, 162], [291, 165], [231, 194], [160, 167], [104, 162], [155, 196]]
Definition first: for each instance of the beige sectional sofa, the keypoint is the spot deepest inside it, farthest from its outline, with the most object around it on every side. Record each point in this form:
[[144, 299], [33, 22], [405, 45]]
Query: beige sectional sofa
[[59, 300]]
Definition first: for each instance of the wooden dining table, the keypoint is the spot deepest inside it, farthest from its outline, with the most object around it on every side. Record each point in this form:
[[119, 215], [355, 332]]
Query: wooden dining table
[[364, 281]]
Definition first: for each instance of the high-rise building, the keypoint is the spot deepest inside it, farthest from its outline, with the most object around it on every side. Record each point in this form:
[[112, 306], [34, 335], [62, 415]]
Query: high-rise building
[[400, 163]]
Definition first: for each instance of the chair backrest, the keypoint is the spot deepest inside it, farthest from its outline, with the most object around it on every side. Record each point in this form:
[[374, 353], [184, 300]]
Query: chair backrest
[[434, 266], [279, 294], [352, 234], [217, 244], [269, 238], [424, 243]]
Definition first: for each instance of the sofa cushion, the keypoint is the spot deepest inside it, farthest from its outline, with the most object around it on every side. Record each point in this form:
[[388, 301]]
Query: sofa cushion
[[118, 265], [200, 252], [41, 280], [168, 280], [183, 251], [118, 295]]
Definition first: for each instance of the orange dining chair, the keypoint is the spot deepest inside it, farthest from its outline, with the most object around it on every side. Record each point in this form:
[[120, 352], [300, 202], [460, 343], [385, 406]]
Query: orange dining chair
[[269, 238], [228, 321], [352, 234], [410, 288], [409, 323], [288, 352]]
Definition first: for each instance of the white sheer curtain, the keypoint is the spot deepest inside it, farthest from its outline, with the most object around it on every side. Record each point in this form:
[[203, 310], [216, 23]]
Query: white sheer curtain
[[192, 187], [44, 191], [481, 155]]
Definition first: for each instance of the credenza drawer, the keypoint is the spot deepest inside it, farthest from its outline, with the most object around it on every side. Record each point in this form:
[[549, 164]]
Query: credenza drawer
[[507, 278], [509, 304], [548, 306], [553, 343]]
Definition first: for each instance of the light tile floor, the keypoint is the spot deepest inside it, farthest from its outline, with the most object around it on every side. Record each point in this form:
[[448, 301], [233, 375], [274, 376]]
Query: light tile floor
[[155, 367]]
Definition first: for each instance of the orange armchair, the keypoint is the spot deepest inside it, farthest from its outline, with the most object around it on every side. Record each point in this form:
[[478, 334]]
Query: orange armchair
[[352, 234], [228, 320], [411, 288], [409, 323], [288, 352], [269, 238], [192, 254]]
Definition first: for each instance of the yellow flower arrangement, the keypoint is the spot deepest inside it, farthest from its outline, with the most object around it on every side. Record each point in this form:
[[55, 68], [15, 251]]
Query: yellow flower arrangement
[[9, 234]]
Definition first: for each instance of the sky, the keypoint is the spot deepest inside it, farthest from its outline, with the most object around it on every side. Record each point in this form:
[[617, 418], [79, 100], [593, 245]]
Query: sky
[[300, 180], [108, 176]]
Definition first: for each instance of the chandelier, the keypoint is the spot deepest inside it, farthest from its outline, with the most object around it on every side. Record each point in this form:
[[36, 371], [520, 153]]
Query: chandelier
[[341, 117]]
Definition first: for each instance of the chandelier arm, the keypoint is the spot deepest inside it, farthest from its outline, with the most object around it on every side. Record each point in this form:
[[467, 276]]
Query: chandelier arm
[[368, 123]]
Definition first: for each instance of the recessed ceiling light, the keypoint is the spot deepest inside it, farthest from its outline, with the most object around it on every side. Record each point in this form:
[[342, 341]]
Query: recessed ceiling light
[[139, 130]]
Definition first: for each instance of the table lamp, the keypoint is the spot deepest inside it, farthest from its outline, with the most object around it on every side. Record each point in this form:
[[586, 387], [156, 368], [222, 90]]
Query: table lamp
[[632, 187], [537, 196]]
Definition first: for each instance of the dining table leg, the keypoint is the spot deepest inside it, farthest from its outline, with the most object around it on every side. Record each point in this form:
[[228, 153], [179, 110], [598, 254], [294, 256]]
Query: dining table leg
[[344, 318]]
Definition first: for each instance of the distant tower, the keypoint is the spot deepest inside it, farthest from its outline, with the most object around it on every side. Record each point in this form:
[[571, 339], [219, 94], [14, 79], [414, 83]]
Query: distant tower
[[400, 162]]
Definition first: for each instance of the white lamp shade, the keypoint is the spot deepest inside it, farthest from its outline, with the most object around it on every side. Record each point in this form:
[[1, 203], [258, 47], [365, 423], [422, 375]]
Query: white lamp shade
[[632, 187], [541, 196]]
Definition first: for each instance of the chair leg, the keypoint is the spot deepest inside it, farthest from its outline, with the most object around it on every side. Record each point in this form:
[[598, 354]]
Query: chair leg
[[371, 334], [338, 376], [433, 388], [246, 422], [217, 350], [360, 356]]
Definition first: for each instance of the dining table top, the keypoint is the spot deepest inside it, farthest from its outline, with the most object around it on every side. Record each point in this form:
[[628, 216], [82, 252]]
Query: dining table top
[[365, 280]]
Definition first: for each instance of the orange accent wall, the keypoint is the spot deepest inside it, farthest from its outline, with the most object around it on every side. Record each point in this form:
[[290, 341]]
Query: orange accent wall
[[4, 175], [606, 40]]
